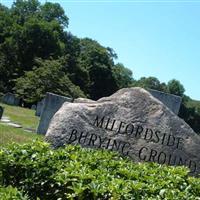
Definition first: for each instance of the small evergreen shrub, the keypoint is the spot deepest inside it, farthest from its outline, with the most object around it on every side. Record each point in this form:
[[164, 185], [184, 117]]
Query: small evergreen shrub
[[10, 193], [79, 173]]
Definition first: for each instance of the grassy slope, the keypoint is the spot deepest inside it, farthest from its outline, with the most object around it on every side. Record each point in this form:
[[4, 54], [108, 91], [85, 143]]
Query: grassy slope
[[9, 134], [25, 117]]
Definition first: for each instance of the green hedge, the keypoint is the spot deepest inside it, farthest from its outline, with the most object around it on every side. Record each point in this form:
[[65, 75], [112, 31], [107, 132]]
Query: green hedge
[[85, 174], [10, 193]]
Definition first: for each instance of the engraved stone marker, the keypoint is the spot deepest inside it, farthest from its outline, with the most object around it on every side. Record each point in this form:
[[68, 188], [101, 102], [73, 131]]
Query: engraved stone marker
[[39, 108], [51, 105], [132, 122], [1, 112], [173, 102], [33, 107], [11, 99]]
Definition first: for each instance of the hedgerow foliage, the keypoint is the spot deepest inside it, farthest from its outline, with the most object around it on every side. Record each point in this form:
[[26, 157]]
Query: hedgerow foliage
[[85, 174], [10, 193]]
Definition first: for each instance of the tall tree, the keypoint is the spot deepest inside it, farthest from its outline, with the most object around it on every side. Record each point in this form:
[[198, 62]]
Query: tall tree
[[29, 30], [53, 11], [175, 87], [98, 61], [78, 74], [151, 83], [122, 75], [8, 51], [22, 10], [38, 38], [47, 76]]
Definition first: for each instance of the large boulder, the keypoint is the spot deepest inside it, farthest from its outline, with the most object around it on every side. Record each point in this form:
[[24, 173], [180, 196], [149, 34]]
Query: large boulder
[[132, 122]]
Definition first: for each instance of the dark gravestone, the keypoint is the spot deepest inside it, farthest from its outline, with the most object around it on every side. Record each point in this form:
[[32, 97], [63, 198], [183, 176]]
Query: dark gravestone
[[33, 107], [1, 112], [11, 99], [1, 97], [39, 108], [132, 122], [173, 102], [52, 104]]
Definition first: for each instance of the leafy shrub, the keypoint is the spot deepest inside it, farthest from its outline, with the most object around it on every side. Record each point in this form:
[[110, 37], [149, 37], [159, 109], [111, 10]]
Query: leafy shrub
[[10, 193], [46, 76], [79, 173]]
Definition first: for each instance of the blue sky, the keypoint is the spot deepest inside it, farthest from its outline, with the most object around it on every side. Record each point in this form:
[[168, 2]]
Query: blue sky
[[152, 38]]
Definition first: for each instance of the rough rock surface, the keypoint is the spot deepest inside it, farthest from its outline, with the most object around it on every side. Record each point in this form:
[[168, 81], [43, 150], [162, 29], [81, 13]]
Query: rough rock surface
[[132, 122]]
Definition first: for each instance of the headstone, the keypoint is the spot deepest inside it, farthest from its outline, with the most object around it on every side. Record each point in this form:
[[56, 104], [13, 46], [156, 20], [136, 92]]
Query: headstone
[[1, 97], [1, 112], [52, 104], [33, 107], [11, 99], [173, 102], [39, 108], [132, 122]]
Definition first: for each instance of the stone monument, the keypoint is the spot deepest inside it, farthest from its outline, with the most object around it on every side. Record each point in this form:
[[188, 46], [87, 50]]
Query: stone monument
[[33, 107], [132, 122], [39, 107], [1, 112], [11, 99], [52, 103], [173, 102]]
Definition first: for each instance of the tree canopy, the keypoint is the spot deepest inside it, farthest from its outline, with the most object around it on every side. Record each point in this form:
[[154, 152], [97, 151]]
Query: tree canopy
[[38, 54], [31, 30], [175, 87], [46, 76]]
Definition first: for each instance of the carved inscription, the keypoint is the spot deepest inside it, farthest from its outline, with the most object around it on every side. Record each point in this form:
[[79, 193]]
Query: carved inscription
[[133, 130], [138, 131], [93, 140]]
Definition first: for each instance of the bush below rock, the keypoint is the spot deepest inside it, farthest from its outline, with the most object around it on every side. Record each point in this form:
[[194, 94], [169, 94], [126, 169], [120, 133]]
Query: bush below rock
[[85, 174]]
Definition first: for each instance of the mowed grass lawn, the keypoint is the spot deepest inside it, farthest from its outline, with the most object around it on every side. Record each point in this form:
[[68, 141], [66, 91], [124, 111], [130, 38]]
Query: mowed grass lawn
[[22, 116]]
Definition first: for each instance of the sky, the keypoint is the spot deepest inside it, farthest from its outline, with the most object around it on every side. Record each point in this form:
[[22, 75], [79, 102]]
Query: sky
[[152, 38]]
